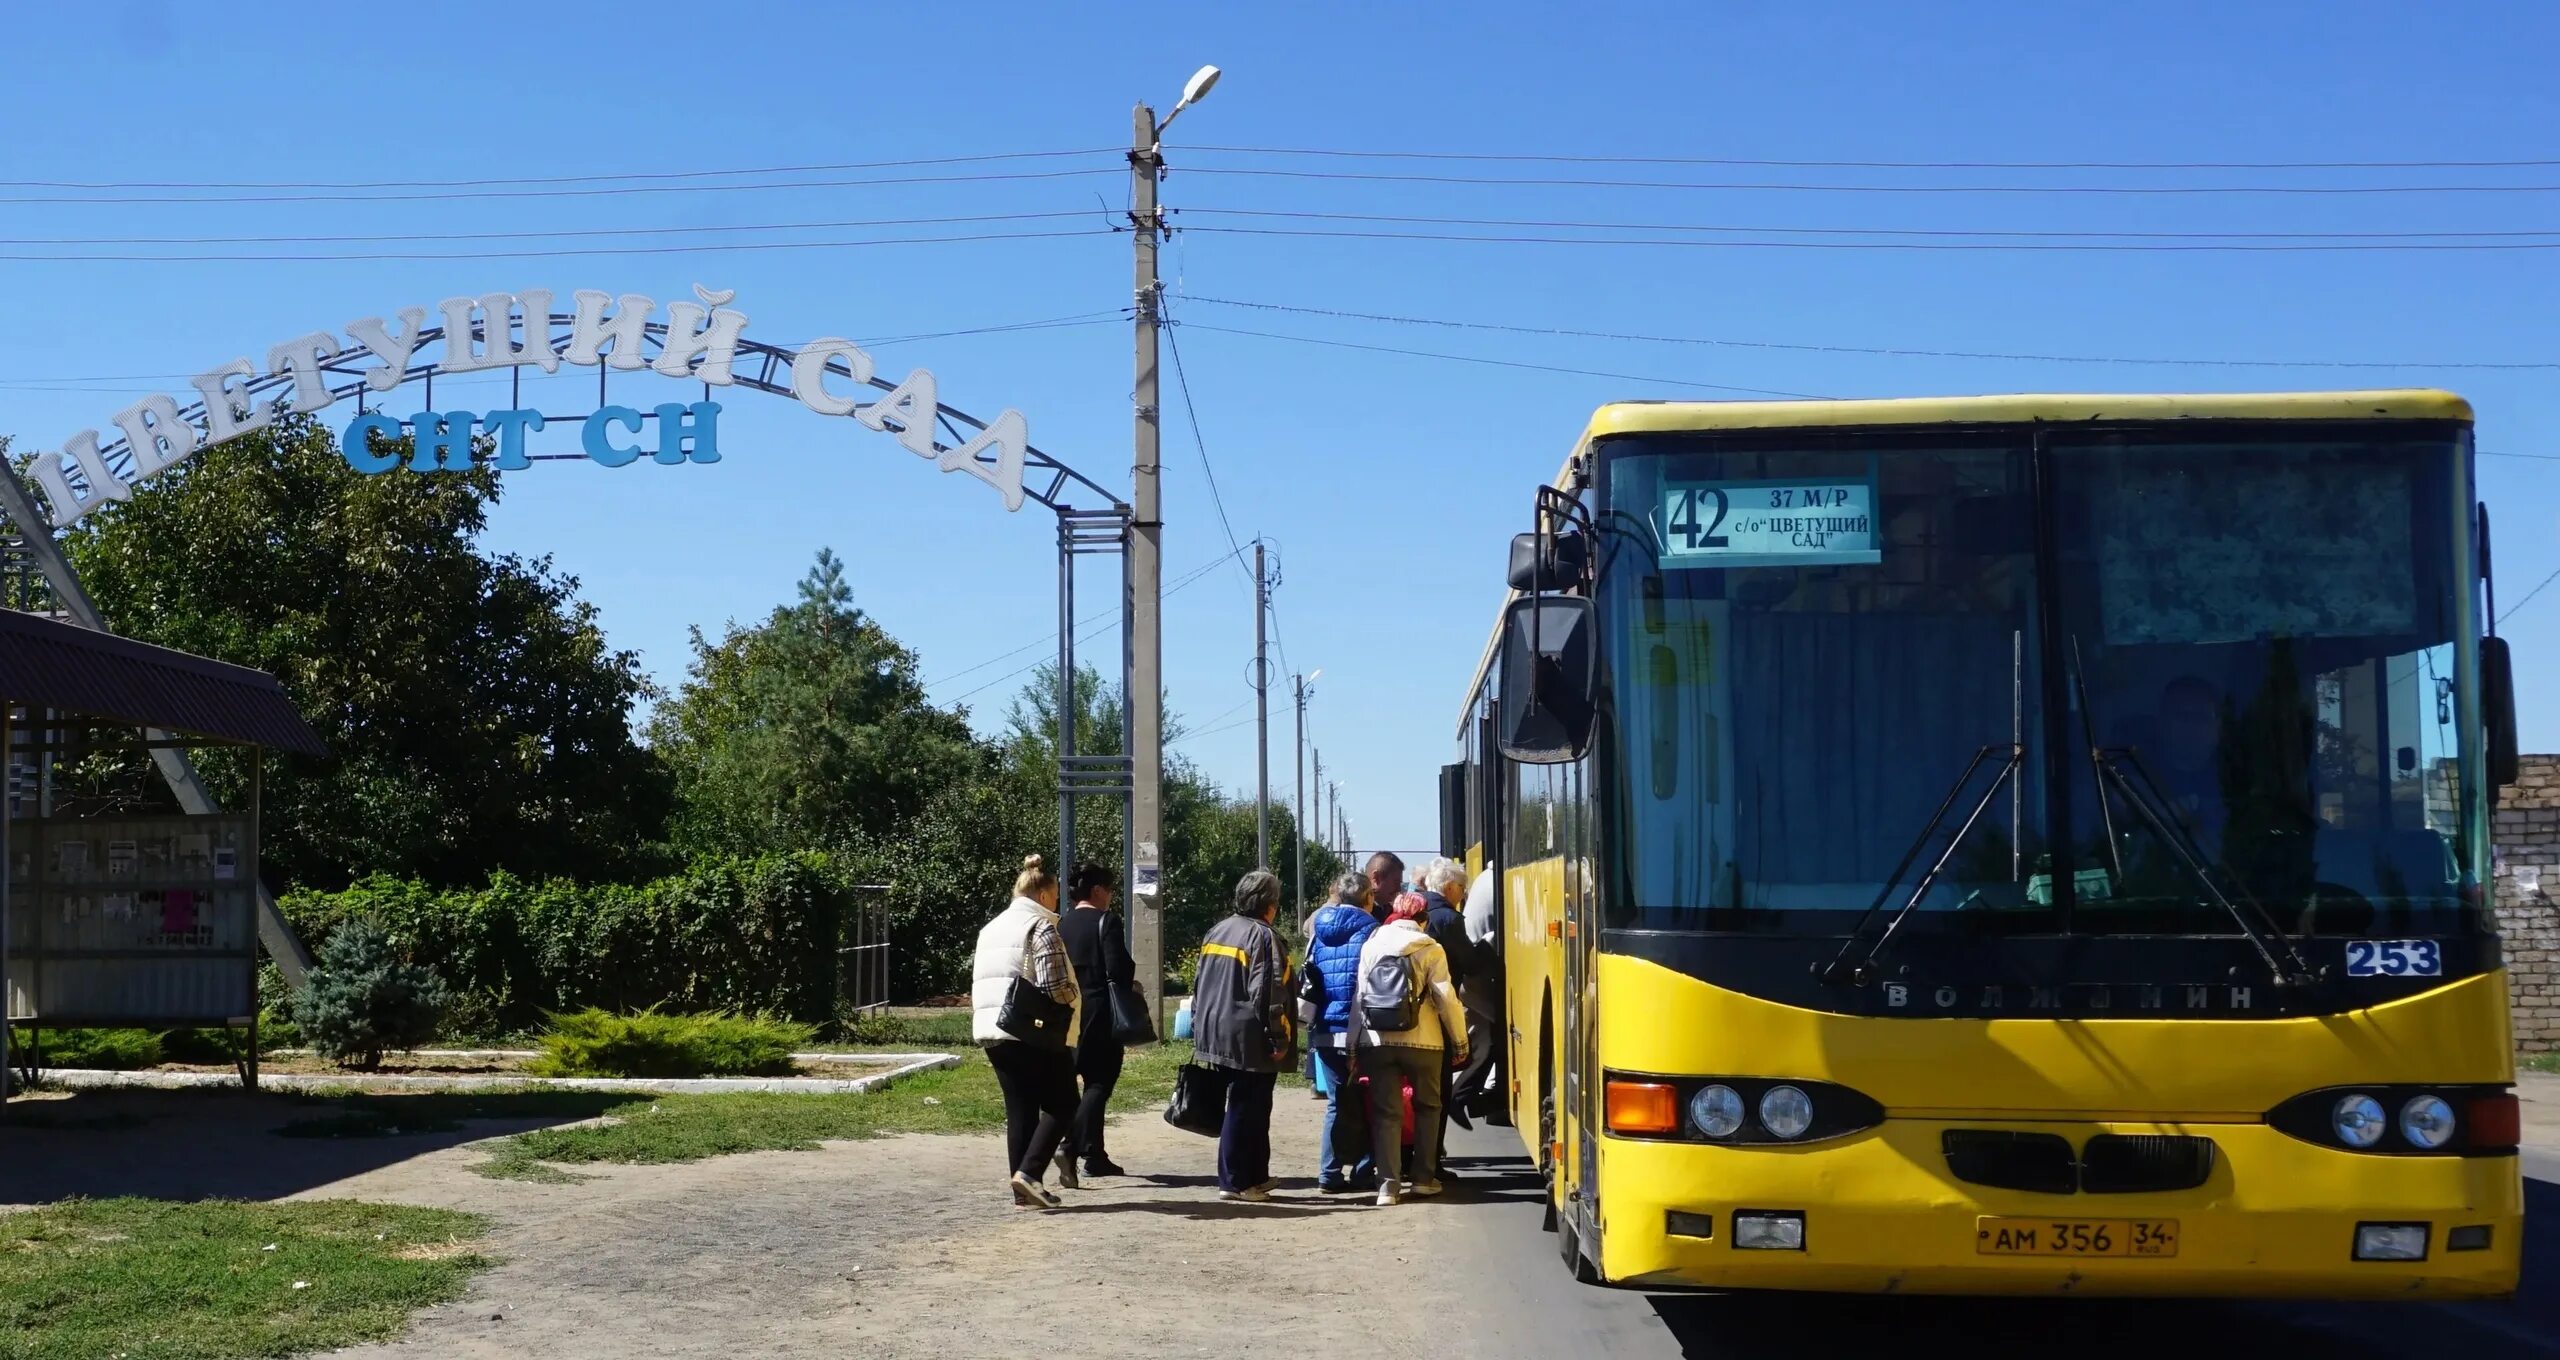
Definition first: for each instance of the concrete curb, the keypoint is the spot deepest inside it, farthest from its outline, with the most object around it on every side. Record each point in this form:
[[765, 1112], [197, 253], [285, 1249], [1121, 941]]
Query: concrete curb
[[867, 1059], [909, 1064]]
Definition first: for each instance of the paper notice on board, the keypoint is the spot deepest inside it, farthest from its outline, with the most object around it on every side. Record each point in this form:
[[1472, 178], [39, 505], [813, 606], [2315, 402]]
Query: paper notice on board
[[226, 863], [1149, 870]]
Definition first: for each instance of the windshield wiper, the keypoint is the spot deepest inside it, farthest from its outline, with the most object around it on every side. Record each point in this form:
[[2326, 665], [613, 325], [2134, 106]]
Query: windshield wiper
[[2107, 764], [1844, 970], [2121, 767]]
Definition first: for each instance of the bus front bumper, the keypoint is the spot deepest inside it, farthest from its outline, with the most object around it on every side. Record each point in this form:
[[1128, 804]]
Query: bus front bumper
[[1882, 1214]]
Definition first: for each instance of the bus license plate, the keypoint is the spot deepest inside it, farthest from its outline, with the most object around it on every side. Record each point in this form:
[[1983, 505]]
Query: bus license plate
[[2075, 1236]]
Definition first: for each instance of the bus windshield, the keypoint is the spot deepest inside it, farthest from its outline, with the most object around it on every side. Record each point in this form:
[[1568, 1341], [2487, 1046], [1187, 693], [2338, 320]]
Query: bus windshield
[[2232, 678]]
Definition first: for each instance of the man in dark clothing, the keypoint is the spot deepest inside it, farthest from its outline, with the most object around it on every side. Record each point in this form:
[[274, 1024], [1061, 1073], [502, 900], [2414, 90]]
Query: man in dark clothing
[[1099, 949], [1447, 926], [1240, 1022]]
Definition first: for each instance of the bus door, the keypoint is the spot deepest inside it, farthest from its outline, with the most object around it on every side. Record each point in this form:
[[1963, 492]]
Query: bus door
[[1582, 1087]]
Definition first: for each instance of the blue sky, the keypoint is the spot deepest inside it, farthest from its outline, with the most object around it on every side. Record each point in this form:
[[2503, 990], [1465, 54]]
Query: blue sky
[[1390, 482]]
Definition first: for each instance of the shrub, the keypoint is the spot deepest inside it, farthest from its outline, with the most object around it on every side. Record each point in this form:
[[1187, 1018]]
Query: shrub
[[114, 1050], [949, 1029], [597, 1043], [363, 1000], [725, 934]]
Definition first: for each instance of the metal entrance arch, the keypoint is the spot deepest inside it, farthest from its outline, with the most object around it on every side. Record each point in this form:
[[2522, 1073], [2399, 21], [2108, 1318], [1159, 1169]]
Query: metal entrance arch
[[1092, 521]]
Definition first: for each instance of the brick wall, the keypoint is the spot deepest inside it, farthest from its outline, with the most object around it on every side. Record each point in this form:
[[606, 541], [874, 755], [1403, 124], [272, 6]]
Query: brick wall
[[2528, 897]]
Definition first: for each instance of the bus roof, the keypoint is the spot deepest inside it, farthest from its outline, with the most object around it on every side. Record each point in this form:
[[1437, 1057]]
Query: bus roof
[[1667, 417], [1677, 417]]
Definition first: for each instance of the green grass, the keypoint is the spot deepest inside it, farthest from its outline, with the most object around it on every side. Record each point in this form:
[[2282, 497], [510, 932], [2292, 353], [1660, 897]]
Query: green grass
[[657, 1129], [152, 1280], [2541, 1062]]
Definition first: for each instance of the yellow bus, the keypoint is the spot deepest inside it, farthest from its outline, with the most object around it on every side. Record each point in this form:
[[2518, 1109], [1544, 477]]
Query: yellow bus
[[2006, 845]]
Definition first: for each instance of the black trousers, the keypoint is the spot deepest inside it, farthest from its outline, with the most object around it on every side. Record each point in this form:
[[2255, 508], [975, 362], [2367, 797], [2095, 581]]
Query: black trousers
[[1039, 1086], [1098, 1064]]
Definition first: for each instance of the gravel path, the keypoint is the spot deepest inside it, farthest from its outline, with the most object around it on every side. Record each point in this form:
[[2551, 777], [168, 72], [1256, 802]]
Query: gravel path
[[909, 1247]]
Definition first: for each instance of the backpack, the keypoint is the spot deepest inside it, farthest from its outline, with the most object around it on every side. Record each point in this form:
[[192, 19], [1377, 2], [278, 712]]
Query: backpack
[[1387, 1003]]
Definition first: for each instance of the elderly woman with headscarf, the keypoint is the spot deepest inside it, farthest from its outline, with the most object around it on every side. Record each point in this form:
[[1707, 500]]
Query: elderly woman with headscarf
[[1240, 1023]]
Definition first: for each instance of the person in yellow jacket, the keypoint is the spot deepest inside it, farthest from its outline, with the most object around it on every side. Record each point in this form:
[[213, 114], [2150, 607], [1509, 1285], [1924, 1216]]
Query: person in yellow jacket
[[1407, 1027]]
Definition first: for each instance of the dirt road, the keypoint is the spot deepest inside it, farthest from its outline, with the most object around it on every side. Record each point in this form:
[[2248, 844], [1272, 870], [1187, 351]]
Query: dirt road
[[909, 1247]]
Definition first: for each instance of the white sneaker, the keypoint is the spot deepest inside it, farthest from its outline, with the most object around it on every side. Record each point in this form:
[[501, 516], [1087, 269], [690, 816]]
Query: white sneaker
[[1388, 1195], [1031, 1194]]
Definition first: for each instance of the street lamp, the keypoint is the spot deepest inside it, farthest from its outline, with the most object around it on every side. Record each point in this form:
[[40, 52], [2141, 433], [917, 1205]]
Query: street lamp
[[1146, 558], [1193, 91]]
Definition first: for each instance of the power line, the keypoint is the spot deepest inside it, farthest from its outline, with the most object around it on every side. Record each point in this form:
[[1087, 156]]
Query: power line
[[1896, 352], [556, 179], [1046, 323], [1865, 231], [2080, 247], [1560, 182], [1196, 574], [1098, 615], [1508, 363], [393, 237], [1182, 382], [608, 192], [2528, 595], [563, 253], [1872, 164]]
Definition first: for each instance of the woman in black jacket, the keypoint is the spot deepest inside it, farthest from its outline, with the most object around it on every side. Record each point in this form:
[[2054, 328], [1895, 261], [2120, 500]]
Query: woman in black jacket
[[1099, 949]]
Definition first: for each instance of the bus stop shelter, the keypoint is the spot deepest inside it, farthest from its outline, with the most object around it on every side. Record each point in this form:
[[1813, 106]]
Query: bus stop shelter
[[135, 916]]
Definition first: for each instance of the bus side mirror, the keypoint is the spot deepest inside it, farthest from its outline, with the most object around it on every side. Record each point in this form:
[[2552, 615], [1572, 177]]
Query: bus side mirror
[[1453, 810], [1550, 679], [2498, 710], [1559, 568]]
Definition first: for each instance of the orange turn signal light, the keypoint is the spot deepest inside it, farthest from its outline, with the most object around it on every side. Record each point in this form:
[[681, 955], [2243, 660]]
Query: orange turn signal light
[[1643, 1107]]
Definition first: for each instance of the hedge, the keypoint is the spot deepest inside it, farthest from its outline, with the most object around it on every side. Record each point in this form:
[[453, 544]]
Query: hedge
[[727, 934]]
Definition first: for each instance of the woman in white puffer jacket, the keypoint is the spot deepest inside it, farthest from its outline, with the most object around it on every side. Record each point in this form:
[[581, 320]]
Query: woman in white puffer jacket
[[1039, 1082]]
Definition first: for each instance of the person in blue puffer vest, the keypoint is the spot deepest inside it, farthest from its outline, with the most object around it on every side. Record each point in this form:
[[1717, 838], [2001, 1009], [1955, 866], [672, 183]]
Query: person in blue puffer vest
[[1334, 936]]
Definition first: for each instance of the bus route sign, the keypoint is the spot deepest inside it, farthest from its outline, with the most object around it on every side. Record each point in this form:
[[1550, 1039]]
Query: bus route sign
[[1804, 522]]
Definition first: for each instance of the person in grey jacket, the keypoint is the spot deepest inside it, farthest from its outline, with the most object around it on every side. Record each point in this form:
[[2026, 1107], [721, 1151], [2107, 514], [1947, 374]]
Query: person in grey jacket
[[1240, 1023]]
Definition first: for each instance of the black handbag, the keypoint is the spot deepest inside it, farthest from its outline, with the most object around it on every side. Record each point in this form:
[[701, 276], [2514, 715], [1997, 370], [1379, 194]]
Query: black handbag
[[1199, 1100], [1031, 1015], [1132, 1022]]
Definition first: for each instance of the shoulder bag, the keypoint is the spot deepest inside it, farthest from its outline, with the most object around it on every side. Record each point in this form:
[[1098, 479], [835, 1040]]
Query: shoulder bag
[[1034, 1017], [1131, 1020]]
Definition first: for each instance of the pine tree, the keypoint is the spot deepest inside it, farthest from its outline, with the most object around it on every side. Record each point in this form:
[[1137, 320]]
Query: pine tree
[[362, 1000]]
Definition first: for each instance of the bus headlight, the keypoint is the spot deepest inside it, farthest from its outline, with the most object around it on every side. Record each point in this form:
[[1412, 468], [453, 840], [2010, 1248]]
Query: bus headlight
[[1716, 1110], [1787, 1112], [2357, 1120], [2427, 1122]]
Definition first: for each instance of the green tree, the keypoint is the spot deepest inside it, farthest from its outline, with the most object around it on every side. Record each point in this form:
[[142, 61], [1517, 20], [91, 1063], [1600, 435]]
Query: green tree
[[475, 716], [810, 730]]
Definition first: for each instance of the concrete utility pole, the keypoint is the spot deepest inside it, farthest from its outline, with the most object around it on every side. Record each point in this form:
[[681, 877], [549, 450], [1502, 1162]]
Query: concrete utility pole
[[1261, 712], [1317, 826], [1304, 824], [1146, 563]]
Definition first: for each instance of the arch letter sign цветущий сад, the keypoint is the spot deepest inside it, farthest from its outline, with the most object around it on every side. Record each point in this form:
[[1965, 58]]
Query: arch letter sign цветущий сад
[[699, 341]]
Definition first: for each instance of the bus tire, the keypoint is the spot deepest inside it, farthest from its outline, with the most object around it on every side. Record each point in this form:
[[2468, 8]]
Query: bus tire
[[1569, 1246]]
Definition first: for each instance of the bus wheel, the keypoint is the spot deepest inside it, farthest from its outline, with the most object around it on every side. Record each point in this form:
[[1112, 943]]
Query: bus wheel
[[1569, 1246], [1555, 1173]]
